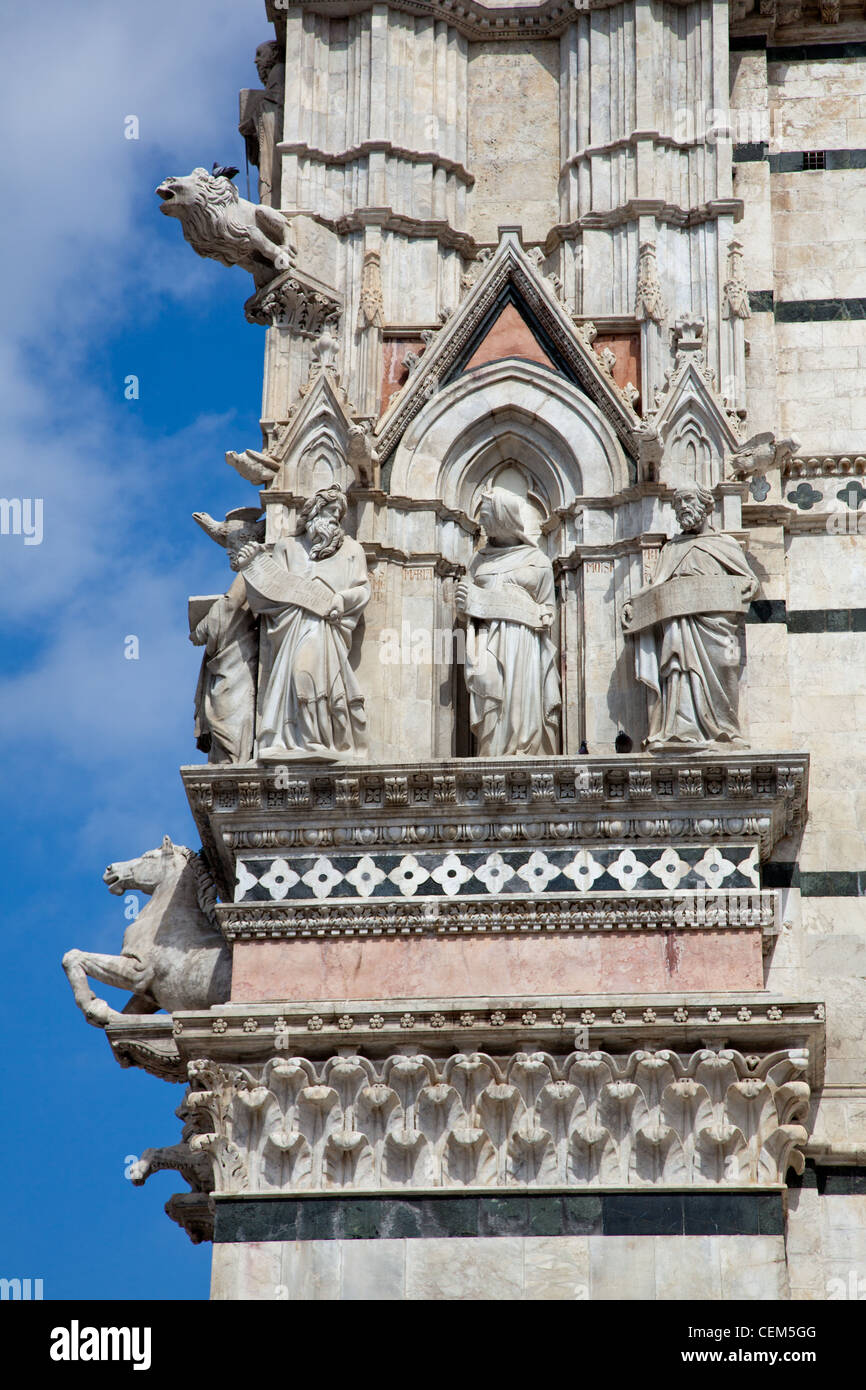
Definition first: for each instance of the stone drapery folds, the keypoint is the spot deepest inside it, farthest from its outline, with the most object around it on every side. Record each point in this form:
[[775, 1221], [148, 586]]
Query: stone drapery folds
[[310, 703], [511, 674], [690, 662]]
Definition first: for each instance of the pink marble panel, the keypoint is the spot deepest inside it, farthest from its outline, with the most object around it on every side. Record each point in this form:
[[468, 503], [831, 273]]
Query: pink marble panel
[[424, 967]]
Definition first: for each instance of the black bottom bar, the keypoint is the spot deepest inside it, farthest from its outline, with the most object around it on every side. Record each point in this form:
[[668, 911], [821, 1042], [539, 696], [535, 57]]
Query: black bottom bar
[[723, 1213]]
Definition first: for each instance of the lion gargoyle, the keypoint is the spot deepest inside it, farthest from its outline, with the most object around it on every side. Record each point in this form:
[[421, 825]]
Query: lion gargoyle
[[218, 223]]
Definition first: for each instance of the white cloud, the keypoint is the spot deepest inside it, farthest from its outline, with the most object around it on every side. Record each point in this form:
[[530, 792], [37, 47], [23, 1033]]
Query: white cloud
[[76, 222], [88, 254]]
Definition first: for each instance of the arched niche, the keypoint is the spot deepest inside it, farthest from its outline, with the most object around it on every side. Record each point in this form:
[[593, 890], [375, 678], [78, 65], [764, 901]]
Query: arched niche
[[509, 410], [320, 460], [692, 453]]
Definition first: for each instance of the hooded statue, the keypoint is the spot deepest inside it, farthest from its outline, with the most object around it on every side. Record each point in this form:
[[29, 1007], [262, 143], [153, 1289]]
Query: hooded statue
[[511, 674]]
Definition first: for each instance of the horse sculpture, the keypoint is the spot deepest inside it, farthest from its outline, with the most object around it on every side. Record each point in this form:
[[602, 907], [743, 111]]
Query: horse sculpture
[[173, 955]]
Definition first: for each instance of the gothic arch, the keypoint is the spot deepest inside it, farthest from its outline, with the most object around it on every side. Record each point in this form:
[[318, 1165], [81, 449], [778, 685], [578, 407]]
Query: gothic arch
[[508, 409], [321, 461], [692, 452]]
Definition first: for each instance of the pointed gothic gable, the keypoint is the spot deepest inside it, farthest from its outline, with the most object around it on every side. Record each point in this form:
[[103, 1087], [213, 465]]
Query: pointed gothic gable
[[509, 335], [538, 323], [693, 427], [322, 444]]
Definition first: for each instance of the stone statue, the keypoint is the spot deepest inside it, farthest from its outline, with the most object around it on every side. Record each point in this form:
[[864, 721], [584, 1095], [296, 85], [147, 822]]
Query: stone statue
[[310, 591], [511, 675], [261, 121], [173, 955], [687, 628], [218, 223], [225, 698]]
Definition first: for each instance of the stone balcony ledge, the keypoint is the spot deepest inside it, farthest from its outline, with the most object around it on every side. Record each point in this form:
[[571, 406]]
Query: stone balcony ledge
[[459, 804]]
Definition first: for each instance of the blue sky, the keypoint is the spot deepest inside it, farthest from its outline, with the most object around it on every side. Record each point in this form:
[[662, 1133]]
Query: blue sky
[[97, 286]]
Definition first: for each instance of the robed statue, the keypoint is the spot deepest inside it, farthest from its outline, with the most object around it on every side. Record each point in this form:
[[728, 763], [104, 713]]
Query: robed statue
[[309, 591], [511, 672], [687, 630], [261, 122], [225, 697]]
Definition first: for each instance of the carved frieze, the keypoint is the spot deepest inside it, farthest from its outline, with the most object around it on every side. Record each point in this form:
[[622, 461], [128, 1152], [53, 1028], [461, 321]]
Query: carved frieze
[[710, 911], [709, 1118]]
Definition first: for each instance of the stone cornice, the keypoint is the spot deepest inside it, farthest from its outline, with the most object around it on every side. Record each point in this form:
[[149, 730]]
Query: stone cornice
[[387, 147], [391, 221], [831, 1154], [626, 142], [752, 1022], [471, 18], [735, 796], [780, 23], [636, 208]]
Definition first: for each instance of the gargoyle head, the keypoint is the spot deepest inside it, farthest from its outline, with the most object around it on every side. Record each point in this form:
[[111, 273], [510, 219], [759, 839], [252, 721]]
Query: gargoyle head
[[183, 195]]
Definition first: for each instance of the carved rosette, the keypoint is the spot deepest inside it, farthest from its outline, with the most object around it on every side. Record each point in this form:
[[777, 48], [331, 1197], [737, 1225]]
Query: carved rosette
[[706, 1119]]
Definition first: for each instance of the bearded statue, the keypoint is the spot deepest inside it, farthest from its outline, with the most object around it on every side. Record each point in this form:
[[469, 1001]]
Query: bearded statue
[[309, 590], [687, 630]]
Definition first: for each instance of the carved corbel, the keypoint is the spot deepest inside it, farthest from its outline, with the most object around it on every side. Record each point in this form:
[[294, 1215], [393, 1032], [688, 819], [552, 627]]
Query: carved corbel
[[294, 301]]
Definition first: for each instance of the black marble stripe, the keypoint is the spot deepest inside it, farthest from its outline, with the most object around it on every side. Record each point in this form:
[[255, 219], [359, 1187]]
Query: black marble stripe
[[766, 610], [780, 875], [825, 883], [761, 301], [814, 52], [796, 53], [750, 152], [830, 1181], [833, 883], [818, 310], [826, 620], [791, 161], [806, 620], [721, 1212]]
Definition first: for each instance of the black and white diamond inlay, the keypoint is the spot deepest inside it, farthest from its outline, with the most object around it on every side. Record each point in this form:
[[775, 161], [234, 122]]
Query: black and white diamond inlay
[[699, 868]]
